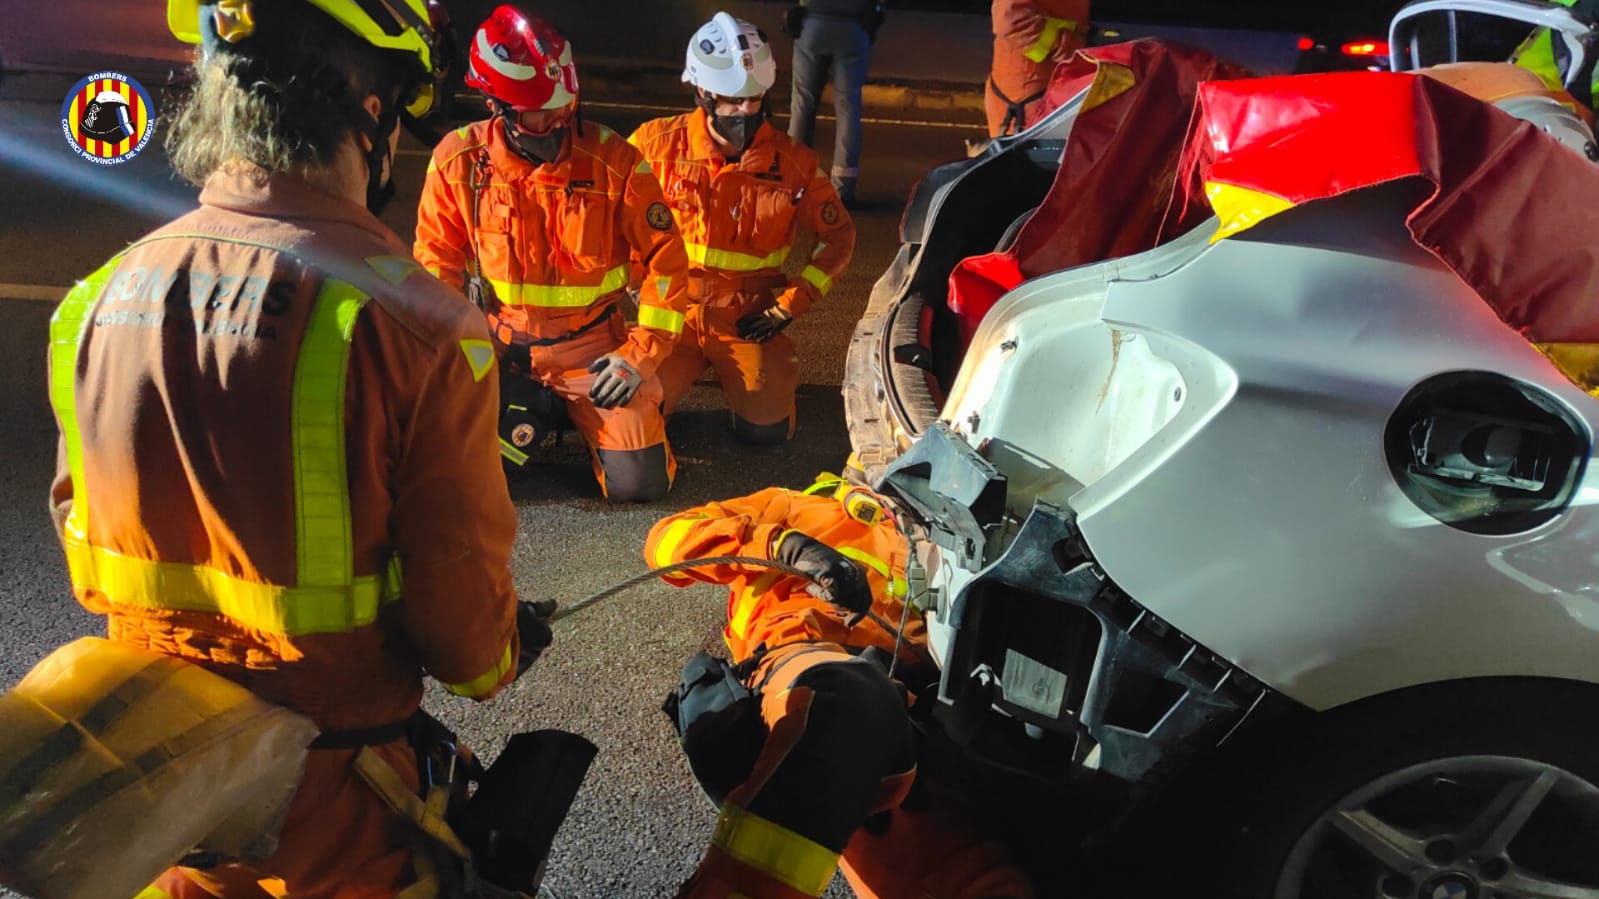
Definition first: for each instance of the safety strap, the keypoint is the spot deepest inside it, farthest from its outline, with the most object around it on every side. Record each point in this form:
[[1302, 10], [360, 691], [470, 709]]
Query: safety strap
[[360, 738], [605, 315], [477, 287], [427, 814], [1015, 110]]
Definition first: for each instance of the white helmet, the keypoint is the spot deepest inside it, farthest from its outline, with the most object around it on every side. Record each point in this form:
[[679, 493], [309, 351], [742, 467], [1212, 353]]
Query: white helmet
[[729, 57]]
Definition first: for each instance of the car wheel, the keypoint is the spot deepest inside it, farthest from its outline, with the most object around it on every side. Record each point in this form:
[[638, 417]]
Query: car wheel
[[1488, 792]]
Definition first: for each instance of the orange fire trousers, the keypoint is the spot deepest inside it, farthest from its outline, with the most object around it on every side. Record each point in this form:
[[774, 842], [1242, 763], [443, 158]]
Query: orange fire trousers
[[840, 753], [758, 379], [627, 444], [339, 841]]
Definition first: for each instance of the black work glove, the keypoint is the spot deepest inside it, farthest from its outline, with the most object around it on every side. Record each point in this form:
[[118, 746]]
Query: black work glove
[[533, 631], [763, 325], [841, 581], [616, 383]]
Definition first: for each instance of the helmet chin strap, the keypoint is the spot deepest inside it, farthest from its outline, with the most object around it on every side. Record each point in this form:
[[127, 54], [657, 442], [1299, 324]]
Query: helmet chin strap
[[378, 191]]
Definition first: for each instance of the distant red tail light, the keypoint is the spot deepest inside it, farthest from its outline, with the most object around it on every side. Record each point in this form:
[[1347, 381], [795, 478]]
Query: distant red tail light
[[1366, 48], [1306, 43]]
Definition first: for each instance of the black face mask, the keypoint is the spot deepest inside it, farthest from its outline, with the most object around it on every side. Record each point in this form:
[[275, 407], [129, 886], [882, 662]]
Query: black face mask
[[738, 130], [535, 148]]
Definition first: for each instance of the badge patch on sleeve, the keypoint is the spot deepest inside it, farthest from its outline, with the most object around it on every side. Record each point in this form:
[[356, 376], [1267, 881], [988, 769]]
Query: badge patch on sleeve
[[659, 217], [830, 213]]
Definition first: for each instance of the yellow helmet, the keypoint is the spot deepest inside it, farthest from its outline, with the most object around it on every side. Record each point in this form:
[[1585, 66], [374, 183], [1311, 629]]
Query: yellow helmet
[[414, 28]]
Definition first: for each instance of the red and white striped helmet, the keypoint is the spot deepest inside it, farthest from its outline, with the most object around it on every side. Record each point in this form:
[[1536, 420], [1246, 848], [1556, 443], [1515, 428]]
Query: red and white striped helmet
[[522, 61]]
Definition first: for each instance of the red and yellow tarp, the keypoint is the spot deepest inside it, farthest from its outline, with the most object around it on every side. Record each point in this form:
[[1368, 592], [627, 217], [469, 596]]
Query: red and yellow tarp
[[1509, 210], [1115, 181]]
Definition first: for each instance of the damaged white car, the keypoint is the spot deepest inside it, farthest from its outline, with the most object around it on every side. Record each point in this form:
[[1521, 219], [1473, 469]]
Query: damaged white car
[[1249, 473]]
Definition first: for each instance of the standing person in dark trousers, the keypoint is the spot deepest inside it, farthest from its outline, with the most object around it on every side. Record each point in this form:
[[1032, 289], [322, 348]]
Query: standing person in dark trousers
[[836, 34]]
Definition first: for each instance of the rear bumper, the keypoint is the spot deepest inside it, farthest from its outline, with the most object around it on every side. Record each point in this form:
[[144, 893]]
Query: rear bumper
[[1042, 653]]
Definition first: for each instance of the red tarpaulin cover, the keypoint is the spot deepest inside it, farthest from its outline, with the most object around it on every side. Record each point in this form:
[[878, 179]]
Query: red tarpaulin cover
[[1116, 174], [1511, 211]]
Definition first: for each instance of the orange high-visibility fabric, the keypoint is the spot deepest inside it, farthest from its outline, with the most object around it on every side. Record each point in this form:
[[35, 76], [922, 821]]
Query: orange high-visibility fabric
[[743, 212], [556, 239], [189, 458], [931, 852], [839, 747], [760, 380], [1019, 26], [770, 607], [635, 426], [340, 841], [740, 220]]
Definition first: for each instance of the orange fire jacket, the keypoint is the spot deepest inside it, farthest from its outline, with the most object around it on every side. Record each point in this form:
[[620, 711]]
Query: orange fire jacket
[[739, 219], [554, 241], [1030, 37], [279, 457], [773, 608]]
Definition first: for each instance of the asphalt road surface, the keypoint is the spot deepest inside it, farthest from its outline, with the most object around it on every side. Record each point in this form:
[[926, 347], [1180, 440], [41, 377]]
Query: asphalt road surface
[[640, 823]]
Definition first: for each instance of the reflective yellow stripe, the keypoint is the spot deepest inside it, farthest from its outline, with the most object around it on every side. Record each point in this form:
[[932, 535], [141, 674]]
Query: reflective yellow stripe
[[153, 892], [660, 318], [729, 261], [1045, 44], [745, 612], [289, 611], [559, 296], [327, 597], [818, 279], [896, 586], [672, 540], [66, 330], [775, 851], [485, 682], [509, 451], [1240, 208], [321, 482]]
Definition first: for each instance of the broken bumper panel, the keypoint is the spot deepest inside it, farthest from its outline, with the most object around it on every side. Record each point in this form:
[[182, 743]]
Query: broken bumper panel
[[1045, 660]]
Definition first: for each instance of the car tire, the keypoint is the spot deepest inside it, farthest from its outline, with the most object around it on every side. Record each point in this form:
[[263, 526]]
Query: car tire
[[1296, 812]]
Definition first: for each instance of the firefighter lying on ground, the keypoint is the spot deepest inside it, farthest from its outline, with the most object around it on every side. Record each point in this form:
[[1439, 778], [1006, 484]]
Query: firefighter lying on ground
[[536, 213], [821, 775], [741, 190]]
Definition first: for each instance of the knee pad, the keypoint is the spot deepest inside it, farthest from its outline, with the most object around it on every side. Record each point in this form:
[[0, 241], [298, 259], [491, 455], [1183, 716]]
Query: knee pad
[[860, 699], [636, 476], [761, 435]]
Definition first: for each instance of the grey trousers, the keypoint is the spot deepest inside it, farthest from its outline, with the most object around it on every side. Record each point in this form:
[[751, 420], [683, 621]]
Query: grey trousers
[[840, 48]]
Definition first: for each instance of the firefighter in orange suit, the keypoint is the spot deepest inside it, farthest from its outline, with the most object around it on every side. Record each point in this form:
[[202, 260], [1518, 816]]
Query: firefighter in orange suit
[[1030, 38], [277, 432], [740, 190], [540, 212], [839, 748]]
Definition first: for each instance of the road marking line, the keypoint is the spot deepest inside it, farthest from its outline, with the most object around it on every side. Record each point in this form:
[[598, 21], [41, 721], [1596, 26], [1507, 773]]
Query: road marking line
[[915, 123], [33, 293]]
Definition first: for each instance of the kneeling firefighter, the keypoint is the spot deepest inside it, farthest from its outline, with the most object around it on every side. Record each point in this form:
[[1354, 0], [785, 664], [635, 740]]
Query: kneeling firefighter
[[278, 456], [805, 742], [538, 213]]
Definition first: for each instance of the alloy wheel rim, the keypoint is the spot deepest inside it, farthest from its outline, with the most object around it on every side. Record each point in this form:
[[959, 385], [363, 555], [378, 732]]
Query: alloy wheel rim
[[1497, 808]]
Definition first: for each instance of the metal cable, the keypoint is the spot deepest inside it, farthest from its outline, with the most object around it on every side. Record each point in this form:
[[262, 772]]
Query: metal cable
[[748, 561]]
